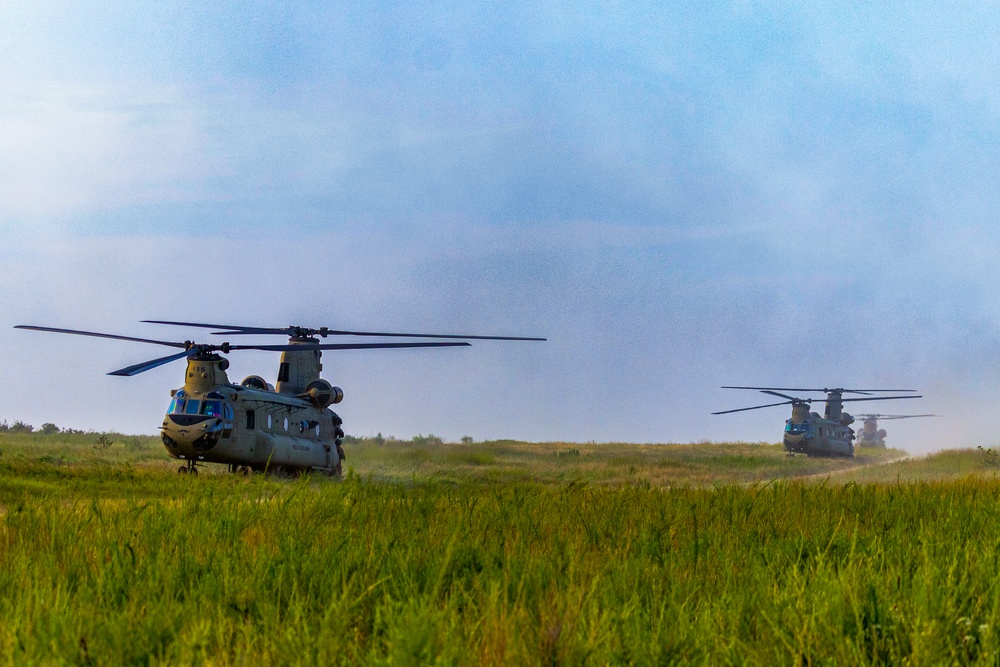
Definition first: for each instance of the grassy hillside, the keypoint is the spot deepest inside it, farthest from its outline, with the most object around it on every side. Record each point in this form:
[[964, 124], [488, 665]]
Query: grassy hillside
[[497, 553]]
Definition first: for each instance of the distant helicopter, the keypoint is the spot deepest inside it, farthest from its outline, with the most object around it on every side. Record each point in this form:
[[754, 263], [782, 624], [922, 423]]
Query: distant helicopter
[[256, 426], [808, 433], [871, 436]]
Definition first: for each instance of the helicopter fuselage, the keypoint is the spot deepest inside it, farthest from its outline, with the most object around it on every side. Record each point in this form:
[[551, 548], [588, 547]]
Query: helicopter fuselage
[[818, 437], [871, 435], [250, 425], [809, 433]]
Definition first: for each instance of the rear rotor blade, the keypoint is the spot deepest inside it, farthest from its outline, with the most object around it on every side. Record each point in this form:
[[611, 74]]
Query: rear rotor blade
[[824, 390], [306, 347], [236, 330], [886, 417], [332, 332], [154, 363], [249, 331], [879, 398], [756, 407], [101, 335]]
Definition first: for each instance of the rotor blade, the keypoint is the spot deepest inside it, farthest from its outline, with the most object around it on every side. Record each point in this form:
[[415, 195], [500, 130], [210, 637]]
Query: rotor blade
[[149, 365], [756, 407], [337, 332], [231, 327], [878, 398], [101, 335], [774, 393], [226, 330], [824, 390], [904, 416], [307, 347]]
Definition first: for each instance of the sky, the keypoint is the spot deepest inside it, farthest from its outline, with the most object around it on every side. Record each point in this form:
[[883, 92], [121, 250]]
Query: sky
[[679, 196]]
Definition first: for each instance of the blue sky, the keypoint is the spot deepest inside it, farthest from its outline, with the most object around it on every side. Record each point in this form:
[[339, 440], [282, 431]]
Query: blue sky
[[678, 196]]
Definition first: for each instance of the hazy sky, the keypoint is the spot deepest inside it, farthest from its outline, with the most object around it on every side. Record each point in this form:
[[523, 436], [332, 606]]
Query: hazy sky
[[678, 196]]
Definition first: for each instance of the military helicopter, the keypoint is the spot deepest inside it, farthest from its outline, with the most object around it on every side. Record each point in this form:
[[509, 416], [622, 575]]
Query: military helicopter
[[808, 433], [255, 426], [871, 435]]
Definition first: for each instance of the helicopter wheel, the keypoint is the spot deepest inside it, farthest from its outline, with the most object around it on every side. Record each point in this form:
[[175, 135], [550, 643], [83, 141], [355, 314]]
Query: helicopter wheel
[[182, 470]]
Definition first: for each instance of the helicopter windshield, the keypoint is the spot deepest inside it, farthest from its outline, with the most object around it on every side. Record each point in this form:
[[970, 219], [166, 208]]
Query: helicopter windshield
[[796, 429]]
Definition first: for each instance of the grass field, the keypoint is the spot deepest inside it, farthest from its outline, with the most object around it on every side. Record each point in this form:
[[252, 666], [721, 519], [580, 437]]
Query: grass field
[[498, 553]]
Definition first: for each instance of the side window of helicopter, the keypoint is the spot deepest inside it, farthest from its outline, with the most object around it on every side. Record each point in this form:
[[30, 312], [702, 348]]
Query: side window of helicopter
[[269, 422], [317, 430], [251, 420], [286, 424], [227, 411], [211, 408], [192, 407]]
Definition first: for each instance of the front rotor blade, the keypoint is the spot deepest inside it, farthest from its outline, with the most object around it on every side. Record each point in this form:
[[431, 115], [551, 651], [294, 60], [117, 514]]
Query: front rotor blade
[[756, 407], [307, 347], [230, 328], [774, 393], [100, 335], [149, 365]]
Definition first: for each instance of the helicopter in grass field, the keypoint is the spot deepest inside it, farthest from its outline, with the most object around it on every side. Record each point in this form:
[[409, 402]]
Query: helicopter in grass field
[[807, 432], [255, 426], [871, 436]]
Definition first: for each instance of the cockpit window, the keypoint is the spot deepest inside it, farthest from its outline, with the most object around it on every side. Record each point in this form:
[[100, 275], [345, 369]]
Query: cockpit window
[[192, 407], [212, 408], [176, 406]]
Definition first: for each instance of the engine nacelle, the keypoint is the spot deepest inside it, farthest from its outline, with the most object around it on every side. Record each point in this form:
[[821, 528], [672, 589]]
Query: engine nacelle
[[846, 419], [321, 393], [256, 382]]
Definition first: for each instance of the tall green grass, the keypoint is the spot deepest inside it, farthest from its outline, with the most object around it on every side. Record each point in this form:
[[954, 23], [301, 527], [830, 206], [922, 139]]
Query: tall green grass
[[231, 571], [112, 558]]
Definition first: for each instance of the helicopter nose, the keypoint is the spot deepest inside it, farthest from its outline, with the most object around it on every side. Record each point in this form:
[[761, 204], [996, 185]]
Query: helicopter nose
[[189, 439]]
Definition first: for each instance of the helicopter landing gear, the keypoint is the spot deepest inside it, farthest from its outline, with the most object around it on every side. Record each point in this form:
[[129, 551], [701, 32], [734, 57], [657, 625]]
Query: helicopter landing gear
[[188, 469], [239, 470], [790, 455]]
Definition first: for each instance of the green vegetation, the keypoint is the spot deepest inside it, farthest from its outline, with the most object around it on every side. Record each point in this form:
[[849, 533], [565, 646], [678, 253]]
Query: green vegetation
[[497, 553]]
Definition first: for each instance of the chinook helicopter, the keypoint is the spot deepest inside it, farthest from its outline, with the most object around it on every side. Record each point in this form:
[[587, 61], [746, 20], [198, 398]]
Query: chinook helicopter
[[870, 435], [810, 434], [254, 426]]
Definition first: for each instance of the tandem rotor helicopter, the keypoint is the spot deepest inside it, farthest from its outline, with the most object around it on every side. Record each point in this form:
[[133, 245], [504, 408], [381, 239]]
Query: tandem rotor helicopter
[[808, 433], [256, 426], [870, 435]]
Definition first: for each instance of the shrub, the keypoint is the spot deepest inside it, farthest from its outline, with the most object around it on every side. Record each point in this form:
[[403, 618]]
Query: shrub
[[20, 427]]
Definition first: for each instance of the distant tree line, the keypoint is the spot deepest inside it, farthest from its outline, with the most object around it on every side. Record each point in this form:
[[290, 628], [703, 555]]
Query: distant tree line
[[48, 428]]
